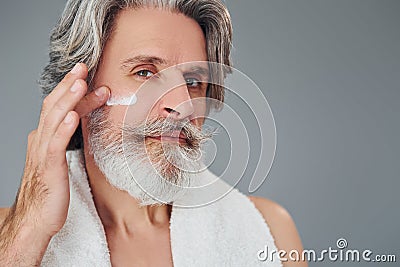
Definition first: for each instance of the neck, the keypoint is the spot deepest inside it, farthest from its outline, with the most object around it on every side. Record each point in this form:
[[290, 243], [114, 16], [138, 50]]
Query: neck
[[118, 210]]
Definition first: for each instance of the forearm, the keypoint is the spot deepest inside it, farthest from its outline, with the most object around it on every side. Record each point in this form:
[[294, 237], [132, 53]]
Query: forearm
[[21, 244]]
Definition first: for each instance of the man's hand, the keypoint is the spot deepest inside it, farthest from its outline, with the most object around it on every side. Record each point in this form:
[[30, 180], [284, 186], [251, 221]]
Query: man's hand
[[41, 206]]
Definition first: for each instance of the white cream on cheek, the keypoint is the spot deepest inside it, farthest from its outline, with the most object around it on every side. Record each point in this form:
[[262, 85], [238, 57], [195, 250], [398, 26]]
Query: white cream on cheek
[[122, 100]]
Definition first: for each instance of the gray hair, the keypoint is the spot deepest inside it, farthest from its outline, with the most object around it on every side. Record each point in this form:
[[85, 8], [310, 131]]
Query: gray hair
[[85, 26]]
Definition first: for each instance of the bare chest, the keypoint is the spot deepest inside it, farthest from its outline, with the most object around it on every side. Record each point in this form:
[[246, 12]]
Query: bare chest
[[141, 251]]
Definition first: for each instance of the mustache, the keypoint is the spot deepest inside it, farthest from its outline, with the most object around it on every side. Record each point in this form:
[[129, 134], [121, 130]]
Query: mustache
[[163, 126], [101, 128]]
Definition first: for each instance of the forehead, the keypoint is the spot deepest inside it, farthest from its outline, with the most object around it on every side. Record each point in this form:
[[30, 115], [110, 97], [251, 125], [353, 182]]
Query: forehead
[[159, 33]]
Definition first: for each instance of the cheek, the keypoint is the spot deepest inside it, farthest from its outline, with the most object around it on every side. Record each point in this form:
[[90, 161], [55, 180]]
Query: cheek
[[120, 85], [130, 115], [117, 114], [199, 107]]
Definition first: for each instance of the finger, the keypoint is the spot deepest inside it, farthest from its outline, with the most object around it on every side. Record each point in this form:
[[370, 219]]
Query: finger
[[79, 71], [31, 139], [30, 146], [60, 109], [92, 101], [56, 149]]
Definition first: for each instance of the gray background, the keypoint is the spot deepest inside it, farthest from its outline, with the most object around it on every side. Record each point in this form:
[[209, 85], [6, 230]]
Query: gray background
[[330, 71]]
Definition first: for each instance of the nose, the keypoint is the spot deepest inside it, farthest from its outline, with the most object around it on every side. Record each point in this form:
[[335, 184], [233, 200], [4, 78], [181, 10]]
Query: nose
[[176, 104]]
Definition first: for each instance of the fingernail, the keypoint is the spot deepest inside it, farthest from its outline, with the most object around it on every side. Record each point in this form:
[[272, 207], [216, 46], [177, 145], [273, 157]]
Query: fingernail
[[100, 92], [68, 119], [76, 69], [75, 87]]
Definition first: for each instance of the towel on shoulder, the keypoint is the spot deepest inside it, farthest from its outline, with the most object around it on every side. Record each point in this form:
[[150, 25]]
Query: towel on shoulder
[[227, 232]]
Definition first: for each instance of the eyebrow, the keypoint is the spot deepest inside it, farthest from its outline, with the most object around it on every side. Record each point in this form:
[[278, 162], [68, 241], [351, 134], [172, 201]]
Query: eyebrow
[[129, 63], [202, 71]]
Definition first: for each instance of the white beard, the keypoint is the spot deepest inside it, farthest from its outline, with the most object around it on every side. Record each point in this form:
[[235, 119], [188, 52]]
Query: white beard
[[149, 178], [140, 178]]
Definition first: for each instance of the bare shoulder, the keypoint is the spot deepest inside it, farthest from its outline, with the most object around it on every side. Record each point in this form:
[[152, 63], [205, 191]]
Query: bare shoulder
[[281, 225], [3, 214], [278, 219], [270, 209]]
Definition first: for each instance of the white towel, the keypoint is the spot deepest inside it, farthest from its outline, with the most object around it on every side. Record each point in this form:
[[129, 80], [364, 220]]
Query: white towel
[[227, 232]]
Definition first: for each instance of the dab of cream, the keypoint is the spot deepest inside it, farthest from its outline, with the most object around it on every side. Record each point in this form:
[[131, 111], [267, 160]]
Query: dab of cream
[[122, 101]]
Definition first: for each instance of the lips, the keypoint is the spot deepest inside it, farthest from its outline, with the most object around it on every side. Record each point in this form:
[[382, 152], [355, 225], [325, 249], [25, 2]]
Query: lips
[[176, 136]]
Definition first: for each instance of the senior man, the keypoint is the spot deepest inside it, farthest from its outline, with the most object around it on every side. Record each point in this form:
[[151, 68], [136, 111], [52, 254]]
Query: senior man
[[89, 195]]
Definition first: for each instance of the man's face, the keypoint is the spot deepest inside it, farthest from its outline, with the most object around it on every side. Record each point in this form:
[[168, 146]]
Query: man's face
[[145, 42]]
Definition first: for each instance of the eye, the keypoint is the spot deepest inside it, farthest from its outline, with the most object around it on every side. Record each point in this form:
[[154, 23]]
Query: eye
[[144, 73], [193, 82]]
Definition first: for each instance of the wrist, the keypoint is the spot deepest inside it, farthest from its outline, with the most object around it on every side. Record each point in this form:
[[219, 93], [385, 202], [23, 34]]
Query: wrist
[[22, 243]]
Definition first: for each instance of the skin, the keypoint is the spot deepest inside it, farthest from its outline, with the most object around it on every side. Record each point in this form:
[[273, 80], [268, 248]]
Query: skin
[[41, 206], [133, 232]]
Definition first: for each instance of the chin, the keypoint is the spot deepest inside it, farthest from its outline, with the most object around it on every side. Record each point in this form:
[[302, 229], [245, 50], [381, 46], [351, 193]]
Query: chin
[[156, 181]]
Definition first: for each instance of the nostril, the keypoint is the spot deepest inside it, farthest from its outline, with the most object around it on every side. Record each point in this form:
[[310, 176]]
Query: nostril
[[170, 110]]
